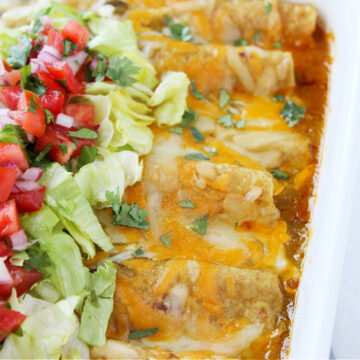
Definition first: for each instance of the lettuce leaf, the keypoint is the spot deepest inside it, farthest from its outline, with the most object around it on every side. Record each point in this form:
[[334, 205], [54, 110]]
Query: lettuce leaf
[[8, 38], [62, 13], [169, 98]]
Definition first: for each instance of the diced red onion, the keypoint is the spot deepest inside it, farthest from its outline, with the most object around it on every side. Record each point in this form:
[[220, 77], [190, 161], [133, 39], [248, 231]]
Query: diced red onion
[[5, 277], [49, 54], [64, 120], [19, 240], [46, 20], [4, 111], [15, 189], [4, 120], [36, 65], [94, 63], [27, 185], [32, 174], [4, 82], [75, 61], [11, 165]]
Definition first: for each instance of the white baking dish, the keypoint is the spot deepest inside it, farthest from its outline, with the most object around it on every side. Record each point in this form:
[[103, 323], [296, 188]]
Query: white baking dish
[[319, 286]]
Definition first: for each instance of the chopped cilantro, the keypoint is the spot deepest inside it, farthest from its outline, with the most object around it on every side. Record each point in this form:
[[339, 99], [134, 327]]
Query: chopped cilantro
[[241, 123], [195, 91], [139, 252], [279, 174], [88, 74], [87, 156], [240, 42], [127, 215], [100, 71], [178, 31], [19, 54], [277, 45], [166, 239], [278, 98], [142, 333], [226, 120], [268, 8], [32, 106], [121, 70], [224, 98], [18, 332], [236, 223], [200, 225], [30, 82], [292, 113], [63, 148], [196, 156], [188, 117], [38, 25], [198, 136], [43, 153], [177, 130], [84, 133], [69, 47], [256, 37], [186, 204], [49, 116]]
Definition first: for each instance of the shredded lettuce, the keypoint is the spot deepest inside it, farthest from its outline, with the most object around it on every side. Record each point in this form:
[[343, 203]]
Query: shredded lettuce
[[62, 13], [110, 172], [98, 305], [8, 38], [169, 98], [45, 330]]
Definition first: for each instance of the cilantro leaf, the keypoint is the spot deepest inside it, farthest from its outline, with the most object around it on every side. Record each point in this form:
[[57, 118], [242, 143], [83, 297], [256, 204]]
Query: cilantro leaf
[[127, 215], [38, 25], [178, 31], [188, 117], [198, 136], [19, 54], [49, 116], [292, 113], [241, 123], [195, 91], [226, 120], [256, 37], [196, 156], [32, 106], [277, 45], [63, 148], [166, 239], [142, 333], [139, 252], [43, 153], [100, 71], [69, 47], [87, 156], [186, 204], [224, 98], [177, 130], [30, 82], [278, 98], [84, 133], [38, 259], [200, 225], [268, 8], [240, 42], [121, 70], [279, 174]]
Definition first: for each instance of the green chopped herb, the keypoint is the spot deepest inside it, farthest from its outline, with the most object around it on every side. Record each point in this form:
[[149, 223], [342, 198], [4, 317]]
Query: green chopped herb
[[240, 42], [292, 113], [166, 239], [139, 252], [186, 204], [278, 98], [268, 8], [88, 74], [84, 133], [69, 47], [200, 225], [49, 116], [30, 82], [19, 54], [241, 123], [277, 45], [178, 31], [87, 156], [43, 153], [195, 91], [32, 106], [73, 145], [188, 117], [100, 71], [196, 156], [226, 120], [198, 136], [18, 332], [224, 98], [63, 148], [142, 333], [121, 70], [236, 223], [279, 174], [177, 130], [256, 37], [127, 215], [25, 72], [38, 25]]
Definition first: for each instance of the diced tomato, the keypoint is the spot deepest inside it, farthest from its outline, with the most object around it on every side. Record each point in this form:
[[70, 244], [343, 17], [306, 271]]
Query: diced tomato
[[29, 201], [23, 280], [10, 96], [61, 70], [5, 252], [55, 39], [34, 122], [54, 135], [9, 218], [9, 321], [50, 82], [13, 77], [7, 179], [14, 153], [80, 144], [82, 113], [76, 32], [53, 100]]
